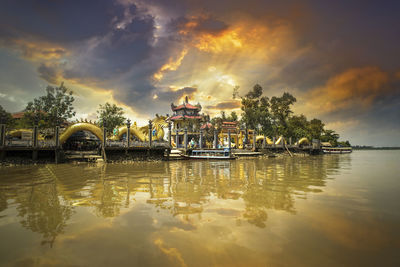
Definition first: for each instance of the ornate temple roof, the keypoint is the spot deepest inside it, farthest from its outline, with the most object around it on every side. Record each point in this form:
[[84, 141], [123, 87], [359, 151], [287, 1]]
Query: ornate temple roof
[[186, 105], [229, 124], [179, 117], [206, 125]]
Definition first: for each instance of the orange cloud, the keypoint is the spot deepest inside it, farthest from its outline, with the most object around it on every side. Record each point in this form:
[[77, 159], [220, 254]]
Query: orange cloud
[[37, 51], [397, 75], [352, 88], [172, 64], [172, 253]]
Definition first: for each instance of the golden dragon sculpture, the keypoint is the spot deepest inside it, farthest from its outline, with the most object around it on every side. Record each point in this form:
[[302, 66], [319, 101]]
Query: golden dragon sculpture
[[141, 133]]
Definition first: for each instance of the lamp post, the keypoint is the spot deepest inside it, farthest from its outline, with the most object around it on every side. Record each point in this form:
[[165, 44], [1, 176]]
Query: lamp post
[[215, 139], [150, 132], [57, 129], [169, 134], [186, 137], [35, 130], [2, 130], [229, 140], [128, 133], [201, 139], [104, 134], [177, 138]]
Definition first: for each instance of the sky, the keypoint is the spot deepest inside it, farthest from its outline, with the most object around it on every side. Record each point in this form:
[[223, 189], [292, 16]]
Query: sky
[[340, 59]]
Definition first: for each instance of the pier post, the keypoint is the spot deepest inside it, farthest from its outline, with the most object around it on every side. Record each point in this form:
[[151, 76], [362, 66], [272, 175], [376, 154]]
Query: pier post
[[290, 141], [229, 140], [2, 135], [264, 143], [169, 134], [246, 135], [215, 139], [273, 142], [35, 136], [150, 132], [186, 137], [104, 134], [128, 132], [177, 138], [35, 139], [201, 139], [57, 136], [283, 142], [254, 140]]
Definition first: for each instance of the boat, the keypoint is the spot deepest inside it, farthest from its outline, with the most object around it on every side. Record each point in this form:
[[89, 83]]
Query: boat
[[210, 154], [337, 150]]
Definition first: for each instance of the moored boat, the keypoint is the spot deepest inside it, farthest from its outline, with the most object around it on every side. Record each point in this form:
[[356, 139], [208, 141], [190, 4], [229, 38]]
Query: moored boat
[[210, 154], [337, 150]]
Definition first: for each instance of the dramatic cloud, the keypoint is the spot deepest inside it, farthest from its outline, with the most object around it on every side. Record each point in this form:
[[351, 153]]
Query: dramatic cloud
[[339, 60], [226, 105], [353, 88]]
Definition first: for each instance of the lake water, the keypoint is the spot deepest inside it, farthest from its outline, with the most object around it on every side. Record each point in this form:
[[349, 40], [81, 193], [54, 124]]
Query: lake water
[[331, 210]]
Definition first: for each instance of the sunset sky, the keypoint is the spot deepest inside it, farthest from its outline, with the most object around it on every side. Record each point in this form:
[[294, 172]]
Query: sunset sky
[[340, 59]]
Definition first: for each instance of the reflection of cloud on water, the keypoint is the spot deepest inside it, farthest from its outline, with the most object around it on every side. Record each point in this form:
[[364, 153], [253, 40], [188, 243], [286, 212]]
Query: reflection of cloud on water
[[182, 188], [172, 253], [361, 233]]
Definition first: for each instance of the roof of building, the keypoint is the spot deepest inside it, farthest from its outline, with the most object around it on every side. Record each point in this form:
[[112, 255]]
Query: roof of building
[[229, 124], [206, 125], [18, 115], [178, 117], [186, 106]]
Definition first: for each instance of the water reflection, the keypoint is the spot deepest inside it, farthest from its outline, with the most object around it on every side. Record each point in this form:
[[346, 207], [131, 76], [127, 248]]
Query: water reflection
[[46, 197]]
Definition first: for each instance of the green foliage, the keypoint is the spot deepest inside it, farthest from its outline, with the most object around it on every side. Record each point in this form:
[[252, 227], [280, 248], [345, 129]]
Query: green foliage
[[52, 108], [255, 109], [276, 118], [330, 136], [112, 115], [298, 127], [280, 111], [233, 116], [5, 117], [316, 129]]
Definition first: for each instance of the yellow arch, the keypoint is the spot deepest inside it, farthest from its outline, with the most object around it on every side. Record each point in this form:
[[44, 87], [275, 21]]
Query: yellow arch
[[81, 126], [260, 138], [18, 133], [303, 140]]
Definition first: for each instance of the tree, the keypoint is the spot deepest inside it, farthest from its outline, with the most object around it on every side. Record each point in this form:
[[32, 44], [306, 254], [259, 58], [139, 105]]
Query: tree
[[112, 115], [52, 108], [298, 127], [316, 129], [255, 109], [5, 117], [233, 116], [281, 110], [330, 136]]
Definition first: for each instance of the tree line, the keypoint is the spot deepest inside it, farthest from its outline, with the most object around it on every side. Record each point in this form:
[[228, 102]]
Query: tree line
[[271, 117], [274, 117]]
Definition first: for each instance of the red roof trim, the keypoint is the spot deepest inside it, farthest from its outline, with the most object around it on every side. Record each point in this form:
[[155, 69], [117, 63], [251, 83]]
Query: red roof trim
[[186, 106], [185, 116]]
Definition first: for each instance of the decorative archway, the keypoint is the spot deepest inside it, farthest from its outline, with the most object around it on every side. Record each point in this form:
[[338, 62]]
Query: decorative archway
[[81, 126]]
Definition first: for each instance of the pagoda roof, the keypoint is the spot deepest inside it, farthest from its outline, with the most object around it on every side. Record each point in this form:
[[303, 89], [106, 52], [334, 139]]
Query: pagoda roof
[[18, 115], [180, 117], [229, 124], [206, 125], [186, 106]]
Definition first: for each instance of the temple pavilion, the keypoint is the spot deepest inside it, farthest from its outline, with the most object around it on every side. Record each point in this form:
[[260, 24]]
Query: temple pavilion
[[186, 116]]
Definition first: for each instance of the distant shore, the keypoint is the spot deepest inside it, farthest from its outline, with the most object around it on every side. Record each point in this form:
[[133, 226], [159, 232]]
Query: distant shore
[[375, 148]]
